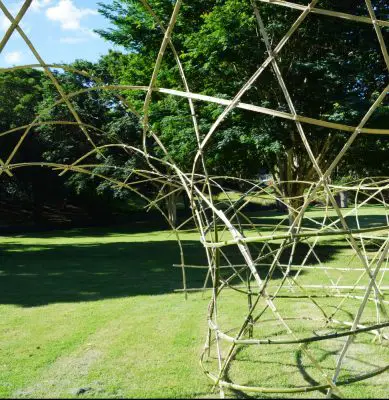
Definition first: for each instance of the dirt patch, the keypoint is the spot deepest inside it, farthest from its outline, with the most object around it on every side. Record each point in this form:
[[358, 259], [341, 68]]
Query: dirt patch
[[67, 374]]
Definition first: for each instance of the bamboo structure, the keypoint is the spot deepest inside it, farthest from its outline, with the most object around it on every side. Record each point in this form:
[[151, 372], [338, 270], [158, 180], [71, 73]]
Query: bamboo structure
[[263, 265]]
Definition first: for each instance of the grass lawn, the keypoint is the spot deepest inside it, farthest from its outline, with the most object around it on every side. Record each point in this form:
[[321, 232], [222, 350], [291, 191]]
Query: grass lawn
[[93, 313]]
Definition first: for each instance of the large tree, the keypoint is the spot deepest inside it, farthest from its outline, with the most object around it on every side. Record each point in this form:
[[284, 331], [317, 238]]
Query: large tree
[[111, 124], [25, 94], [20, 95], [333, 69]]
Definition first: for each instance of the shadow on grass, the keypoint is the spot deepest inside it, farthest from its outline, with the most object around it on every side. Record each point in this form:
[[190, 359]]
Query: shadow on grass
[[308, 377], [34, 275], [274, 364], [44, 274], [133, 223]]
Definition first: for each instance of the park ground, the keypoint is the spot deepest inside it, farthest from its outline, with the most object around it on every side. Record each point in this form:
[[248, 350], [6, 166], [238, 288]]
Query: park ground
[[95, 313]]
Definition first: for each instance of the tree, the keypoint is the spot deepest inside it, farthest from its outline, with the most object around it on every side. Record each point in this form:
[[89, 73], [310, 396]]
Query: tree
[[26, 93], [111, 124], [332, 71], [20, 95]]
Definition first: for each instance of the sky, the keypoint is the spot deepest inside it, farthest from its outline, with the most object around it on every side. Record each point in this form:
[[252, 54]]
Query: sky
[[60, 30]]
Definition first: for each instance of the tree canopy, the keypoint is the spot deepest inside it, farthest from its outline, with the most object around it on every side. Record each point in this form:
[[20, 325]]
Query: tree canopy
[[333, 71]]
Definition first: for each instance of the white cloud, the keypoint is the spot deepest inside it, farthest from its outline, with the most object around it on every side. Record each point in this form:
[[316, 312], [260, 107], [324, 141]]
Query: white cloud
[[68, 15], [37, 5], [13, 57], [4, 23]]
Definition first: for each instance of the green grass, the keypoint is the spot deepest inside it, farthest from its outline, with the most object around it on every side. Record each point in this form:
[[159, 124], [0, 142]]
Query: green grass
[[96, 309], [264, 199]]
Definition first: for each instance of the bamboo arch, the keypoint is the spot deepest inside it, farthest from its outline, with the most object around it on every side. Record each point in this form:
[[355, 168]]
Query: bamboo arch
[[269, 271]]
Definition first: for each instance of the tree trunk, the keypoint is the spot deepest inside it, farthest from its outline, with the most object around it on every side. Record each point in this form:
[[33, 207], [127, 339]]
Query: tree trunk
[[186, 202], [342, 199], [295, 193], [281, 206], [288, 171], [294, 165], [171, 207]]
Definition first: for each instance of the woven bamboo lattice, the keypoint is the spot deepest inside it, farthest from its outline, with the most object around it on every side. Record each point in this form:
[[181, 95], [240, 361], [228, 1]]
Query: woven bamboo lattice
[[263, 267]]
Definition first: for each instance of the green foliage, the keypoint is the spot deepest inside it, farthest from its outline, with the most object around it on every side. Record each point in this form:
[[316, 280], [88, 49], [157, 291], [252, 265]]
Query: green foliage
[[20, 93], [332, 71], [25, 94]]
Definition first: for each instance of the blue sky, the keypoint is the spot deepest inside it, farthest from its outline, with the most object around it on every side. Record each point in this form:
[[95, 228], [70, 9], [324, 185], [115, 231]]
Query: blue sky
[[61, 31]]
